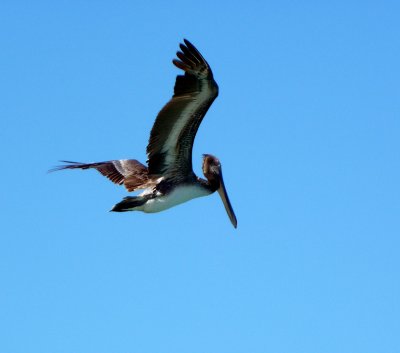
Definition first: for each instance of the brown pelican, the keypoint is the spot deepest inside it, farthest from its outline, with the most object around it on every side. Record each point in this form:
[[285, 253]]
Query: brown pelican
[[169, 180]]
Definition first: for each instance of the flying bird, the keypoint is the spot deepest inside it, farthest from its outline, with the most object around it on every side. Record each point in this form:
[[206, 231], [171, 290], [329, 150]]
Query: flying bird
[[168, 179]]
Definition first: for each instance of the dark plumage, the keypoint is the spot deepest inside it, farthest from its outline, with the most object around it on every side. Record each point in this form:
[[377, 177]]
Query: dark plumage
[[169, 178]]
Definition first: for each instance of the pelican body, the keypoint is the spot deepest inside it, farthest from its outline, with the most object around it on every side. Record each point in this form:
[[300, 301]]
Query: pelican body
[[168, 179]]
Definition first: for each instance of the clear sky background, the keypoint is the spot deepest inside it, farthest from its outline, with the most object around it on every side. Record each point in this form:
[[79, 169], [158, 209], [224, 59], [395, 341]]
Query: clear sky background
[[306, 126]]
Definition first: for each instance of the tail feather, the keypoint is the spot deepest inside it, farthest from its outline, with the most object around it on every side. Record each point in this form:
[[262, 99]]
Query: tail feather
[[129, 203]]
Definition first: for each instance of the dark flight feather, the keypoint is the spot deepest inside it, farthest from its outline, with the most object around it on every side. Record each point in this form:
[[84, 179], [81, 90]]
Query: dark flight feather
[[171, 139]]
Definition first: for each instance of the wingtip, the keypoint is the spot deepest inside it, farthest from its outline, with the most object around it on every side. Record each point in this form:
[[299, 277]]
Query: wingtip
[[180, 65], [68, 165]]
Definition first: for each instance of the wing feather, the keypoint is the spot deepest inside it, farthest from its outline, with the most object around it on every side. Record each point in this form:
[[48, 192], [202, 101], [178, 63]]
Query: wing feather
[[129, 172], [171, 139]]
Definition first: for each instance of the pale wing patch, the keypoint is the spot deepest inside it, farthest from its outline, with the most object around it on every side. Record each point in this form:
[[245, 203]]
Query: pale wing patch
[[170, 145]]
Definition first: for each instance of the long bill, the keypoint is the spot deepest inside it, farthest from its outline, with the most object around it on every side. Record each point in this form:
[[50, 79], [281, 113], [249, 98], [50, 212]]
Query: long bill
[[227, 204]]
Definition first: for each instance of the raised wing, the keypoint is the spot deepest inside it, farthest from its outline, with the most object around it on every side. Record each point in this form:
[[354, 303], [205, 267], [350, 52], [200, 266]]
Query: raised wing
[[171, 139], [129, 172]]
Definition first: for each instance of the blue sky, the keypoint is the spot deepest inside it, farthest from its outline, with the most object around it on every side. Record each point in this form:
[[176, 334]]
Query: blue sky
[[307, 129]]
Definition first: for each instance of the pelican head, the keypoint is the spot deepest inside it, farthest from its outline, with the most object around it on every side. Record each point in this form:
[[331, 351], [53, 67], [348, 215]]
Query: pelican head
[[212, 170]]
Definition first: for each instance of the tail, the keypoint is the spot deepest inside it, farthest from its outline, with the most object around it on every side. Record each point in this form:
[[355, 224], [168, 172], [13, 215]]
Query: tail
[[129, 203]]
